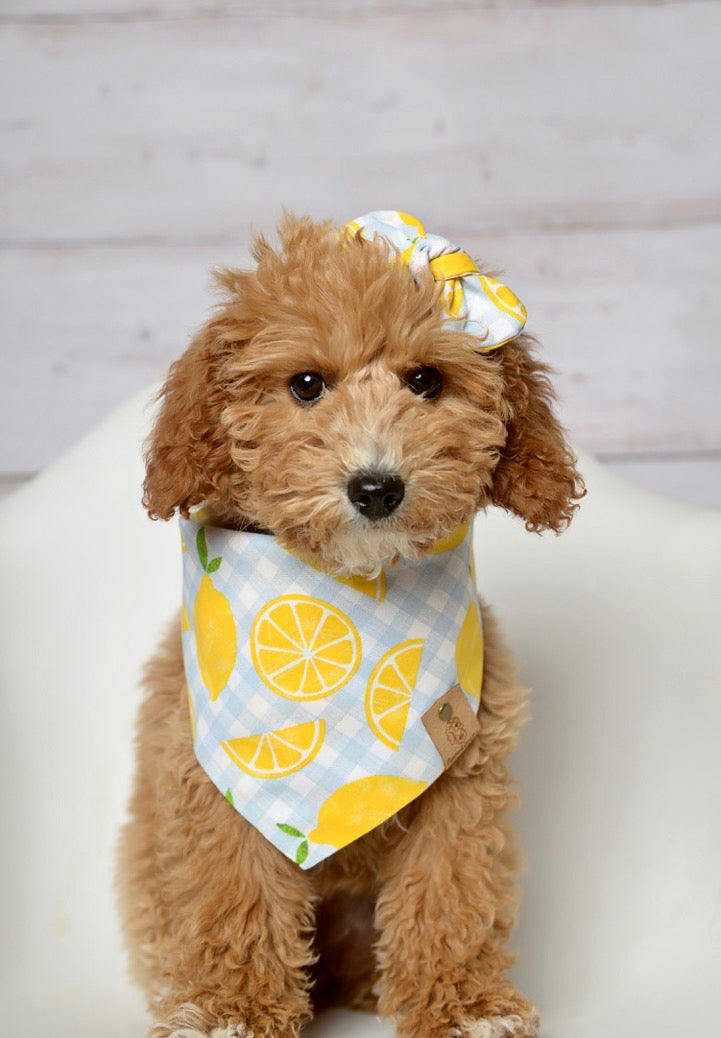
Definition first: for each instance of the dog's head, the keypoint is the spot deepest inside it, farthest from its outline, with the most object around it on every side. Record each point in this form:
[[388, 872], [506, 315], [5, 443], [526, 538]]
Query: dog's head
[[328, 402]]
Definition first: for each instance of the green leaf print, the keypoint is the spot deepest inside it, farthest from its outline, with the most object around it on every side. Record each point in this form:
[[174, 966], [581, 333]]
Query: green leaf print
[[229, 798], [214, 564], [284, 828], [202, 546], [301, 852]]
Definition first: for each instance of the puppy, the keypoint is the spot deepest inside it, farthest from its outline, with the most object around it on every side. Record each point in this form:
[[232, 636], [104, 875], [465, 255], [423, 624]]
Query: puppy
[[348, 409]]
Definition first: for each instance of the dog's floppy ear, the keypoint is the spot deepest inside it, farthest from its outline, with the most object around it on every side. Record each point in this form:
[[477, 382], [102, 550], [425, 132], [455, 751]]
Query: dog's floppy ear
[[187, 456], [536, 476]]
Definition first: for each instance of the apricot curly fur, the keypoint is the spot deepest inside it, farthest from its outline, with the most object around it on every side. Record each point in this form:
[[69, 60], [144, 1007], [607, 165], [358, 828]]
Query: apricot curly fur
[[224, 933], [536, 474]]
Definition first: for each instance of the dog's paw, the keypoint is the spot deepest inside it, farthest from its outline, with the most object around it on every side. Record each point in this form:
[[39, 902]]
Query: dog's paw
[[189, 1022], [512, 1026]]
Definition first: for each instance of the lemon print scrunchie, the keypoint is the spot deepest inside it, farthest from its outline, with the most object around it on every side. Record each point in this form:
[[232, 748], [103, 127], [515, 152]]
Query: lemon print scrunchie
[[474, 303]]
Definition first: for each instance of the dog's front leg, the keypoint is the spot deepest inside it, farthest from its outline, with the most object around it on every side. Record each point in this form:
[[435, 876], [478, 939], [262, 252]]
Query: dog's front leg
[[444, 912], [235, 964]]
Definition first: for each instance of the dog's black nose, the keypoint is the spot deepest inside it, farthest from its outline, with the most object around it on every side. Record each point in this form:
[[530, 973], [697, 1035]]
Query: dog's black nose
[[376, 494]]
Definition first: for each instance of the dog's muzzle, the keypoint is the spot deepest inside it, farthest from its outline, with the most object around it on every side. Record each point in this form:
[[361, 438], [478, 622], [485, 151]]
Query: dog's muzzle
[[376, 495]]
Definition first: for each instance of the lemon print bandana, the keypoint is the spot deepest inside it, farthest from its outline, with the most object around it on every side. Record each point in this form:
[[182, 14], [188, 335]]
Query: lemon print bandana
[[319, 706], [474, 303]]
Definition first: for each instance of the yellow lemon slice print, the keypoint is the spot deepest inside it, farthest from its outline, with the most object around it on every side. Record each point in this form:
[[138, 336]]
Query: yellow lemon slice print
[[504, 298], [360, 806], [277, 753], [389, 690], [469, 652], [303, 648]]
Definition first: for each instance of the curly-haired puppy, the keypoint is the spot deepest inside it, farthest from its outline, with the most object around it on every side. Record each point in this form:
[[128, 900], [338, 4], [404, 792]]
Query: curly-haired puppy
[[331, 402]]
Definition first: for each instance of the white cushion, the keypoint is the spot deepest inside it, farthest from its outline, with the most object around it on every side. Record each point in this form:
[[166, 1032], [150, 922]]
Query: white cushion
[[617, 624]]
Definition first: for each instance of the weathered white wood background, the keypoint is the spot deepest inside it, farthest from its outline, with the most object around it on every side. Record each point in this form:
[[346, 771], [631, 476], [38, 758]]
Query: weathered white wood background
[[575, 145]]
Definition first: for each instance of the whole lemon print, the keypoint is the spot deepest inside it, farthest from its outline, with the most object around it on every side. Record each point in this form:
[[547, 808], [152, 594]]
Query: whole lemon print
[[360, 806], [215, 635], [469, 652], [304, 648]]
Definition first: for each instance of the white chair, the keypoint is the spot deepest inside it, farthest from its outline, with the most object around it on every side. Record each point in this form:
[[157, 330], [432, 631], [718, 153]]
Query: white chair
[[617, 624]]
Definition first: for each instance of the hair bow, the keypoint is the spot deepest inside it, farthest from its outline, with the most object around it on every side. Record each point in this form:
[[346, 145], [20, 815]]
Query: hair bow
[[474, 303]]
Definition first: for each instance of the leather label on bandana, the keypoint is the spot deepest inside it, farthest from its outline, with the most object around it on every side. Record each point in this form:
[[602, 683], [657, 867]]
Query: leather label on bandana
[[451, 724]]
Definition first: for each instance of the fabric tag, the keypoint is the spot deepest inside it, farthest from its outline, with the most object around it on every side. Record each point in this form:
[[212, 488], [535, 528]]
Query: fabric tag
[[451, 724]]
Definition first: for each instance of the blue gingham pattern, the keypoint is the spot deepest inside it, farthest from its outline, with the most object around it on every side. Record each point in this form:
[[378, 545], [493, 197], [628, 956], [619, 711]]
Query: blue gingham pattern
[[425, 600]]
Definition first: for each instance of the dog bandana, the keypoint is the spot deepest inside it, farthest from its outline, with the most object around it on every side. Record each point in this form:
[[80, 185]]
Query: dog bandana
[[474, 303], [320, 706]]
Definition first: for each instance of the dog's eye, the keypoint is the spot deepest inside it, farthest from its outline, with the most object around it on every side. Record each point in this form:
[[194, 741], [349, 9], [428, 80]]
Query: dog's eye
[[307, 387], [426, 382]]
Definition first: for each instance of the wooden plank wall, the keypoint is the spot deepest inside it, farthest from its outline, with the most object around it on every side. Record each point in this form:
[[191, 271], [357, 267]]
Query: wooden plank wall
[[575, 145]]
